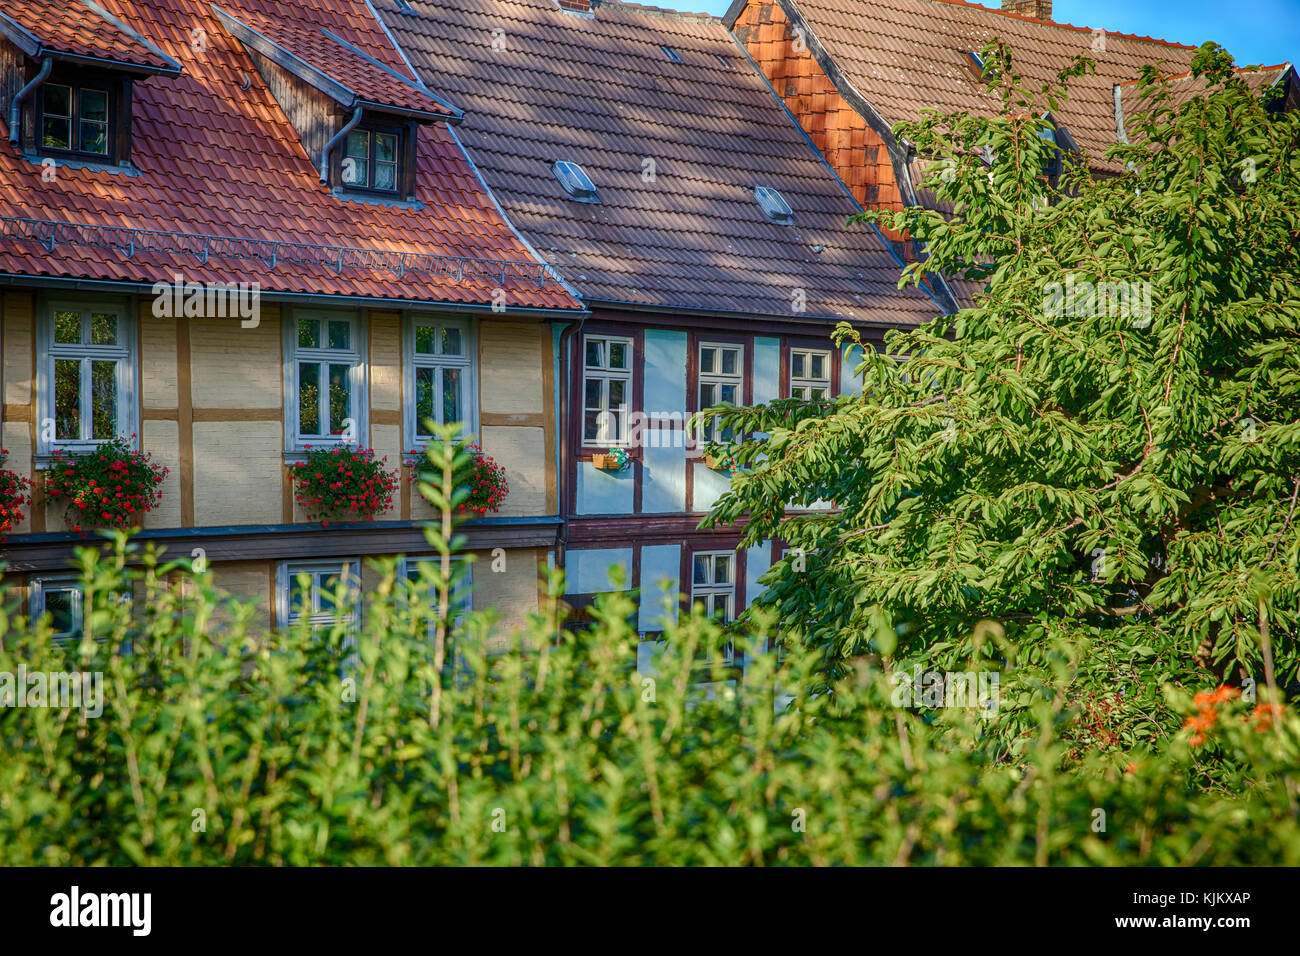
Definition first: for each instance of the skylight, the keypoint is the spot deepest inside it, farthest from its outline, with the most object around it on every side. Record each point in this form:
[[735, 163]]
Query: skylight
[[672, 54], [774, 205], [577, 184], [976, 61]]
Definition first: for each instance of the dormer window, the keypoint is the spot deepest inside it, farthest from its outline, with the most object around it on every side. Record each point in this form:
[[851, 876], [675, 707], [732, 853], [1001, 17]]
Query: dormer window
[[577, 184], [74, 118], [774, 205], [80, 116], [370, 160]]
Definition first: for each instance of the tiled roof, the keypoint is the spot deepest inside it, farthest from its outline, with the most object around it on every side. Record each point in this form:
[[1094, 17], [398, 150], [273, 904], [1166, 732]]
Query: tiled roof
[[79, 28], [539, 85], [215, 159], [1183, 87], [906, 55], [373, 71]]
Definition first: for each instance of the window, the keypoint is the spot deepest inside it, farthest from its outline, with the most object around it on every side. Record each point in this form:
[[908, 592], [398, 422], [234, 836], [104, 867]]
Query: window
[[370, 160], [308, 592], [62, 598], [576, 183], [419, 570], [810, 374], [774, 205], [325, 380], [439, 375], [672, 54], [75, 119], [721, 379], [86, 374], [606, 389], [713, 585]]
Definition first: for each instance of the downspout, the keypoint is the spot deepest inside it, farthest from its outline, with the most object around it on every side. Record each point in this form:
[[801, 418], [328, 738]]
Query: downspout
[[16, 107], [338, 138], [565, 483]]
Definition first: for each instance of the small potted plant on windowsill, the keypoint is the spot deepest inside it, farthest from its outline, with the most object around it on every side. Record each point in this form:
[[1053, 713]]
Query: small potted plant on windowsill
[[616, 459], [109, 486], [14, 496], [343, 483], [722, 462]]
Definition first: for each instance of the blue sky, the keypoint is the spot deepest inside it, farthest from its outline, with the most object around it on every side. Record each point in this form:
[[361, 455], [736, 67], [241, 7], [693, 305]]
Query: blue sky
[[1253, 31]]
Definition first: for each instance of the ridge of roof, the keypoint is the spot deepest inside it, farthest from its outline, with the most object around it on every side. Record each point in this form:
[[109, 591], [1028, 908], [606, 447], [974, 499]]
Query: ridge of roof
[[654, 11], [1252, 68], [1011, 15]]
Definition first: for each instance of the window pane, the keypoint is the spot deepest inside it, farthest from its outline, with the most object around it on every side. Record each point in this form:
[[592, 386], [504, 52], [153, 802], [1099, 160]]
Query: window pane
[[451, 395], [358, 144], [797, 365], [798, 392], [708, 396], [309, 398], [595, 353], [729, 357], [67, 327], [56, 133], [385, 147], [617, 394], [591, 425], [94, 138], [451, 342], [818, 393], [299, 595], [103, 392], [67, 398], [308, 333], [61, 604], [58, 100], [103, 328], [423, 400], [617, 355], [595, 393], [701, 574], [327, 583], [340, 335], [424, 339], [729, 394], [355, 172], [94, 105], [340, 397], [721, 569], [707, 360], [818, 366], [385, 176]]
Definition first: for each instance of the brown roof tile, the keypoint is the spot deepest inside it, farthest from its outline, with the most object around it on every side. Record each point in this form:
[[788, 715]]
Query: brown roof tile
[[83, 28], [600, 92]]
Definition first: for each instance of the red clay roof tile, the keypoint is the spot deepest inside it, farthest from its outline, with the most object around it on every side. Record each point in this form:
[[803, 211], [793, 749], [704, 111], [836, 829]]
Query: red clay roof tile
[[214, 159]]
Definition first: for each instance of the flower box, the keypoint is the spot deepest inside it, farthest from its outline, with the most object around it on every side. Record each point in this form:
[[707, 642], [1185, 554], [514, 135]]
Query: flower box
[[343, 483], [109, 486], [614, 460]]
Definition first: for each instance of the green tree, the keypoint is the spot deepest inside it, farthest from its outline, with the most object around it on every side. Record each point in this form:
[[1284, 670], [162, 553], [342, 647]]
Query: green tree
[[1101, 448]]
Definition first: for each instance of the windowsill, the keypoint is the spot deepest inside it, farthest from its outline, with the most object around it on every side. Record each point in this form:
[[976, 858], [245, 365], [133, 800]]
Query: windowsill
[[375, 199], [37, 158], [43, 461]]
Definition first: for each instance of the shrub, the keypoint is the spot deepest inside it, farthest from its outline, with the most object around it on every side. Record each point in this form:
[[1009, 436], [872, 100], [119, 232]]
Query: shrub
[[343, 483], [13, 496], [110, 486], [223, 747]]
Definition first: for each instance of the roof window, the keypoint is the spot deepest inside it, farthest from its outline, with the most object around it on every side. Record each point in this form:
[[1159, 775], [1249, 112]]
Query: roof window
[[774, 205], [672, 54], [577, 184]]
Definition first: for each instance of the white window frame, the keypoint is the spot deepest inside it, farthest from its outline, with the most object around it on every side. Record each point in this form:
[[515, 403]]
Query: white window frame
[[709, 429], [286, 573], [462, 596], [125, 353], [807, 381], [714, 589], [411, 361], [606, 374], [294, 441]]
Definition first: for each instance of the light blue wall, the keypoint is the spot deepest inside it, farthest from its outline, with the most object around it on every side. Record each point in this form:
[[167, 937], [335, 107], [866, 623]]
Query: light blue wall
[[850, 359], [660, 574], [587, 572], [604, 492], [767, 370], [709, 485], [665, 371], [663, 479], [758, 559]]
